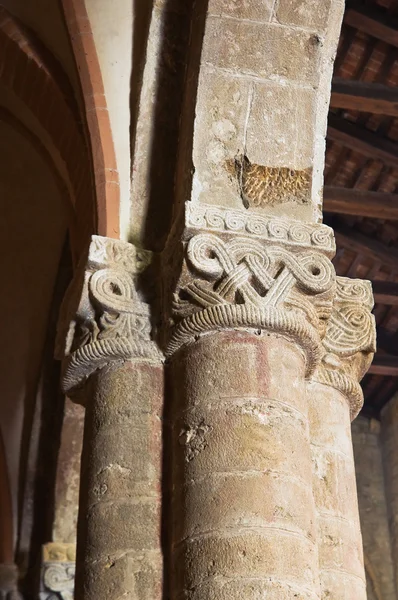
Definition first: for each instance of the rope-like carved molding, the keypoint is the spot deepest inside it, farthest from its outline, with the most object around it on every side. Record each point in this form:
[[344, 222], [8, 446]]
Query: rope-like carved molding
[[273, 229], [232, 282], [103, 320], [58, 571], [350, 341]]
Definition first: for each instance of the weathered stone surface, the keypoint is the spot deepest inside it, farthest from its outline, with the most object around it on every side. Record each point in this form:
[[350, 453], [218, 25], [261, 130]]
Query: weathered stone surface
[[306, 14], [369, 470], [242, 504], [255, 49], [119, 527], [389, 437], [253, 10]]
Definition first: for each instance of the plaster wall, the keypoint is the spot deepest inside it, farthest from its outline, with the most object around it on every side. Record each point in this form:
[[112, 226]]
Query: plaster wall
[[112, 28]]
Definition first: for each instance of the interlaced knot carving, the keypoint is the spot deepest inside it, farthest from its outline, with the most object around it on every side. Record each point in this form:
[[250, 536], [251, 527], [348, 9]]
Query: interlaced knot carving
[[350, 340], [245, 283]]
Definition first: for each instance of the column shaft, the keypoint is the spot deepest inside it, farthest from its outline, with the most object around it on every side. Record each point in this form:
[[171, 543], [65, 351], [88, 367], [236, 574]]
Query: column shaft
[[389, 440], [243, 517], [119, 551], [339, 535]]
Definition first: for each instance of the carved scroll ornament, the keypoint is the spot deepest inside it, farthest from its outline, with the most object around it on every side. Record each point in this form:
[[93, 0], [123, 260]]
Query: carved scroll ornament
[[350, 341], [58, 572], [103, 318], [231, 281]]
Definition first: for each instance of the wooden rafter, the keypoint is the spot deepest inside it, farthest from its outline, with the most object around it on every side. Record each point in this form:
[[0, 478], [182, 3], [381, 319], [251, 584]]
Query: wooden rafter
[[365, 97], [386, 292], [362, 140], [374, 22], [362, 203], [384, 364], [362, 244]]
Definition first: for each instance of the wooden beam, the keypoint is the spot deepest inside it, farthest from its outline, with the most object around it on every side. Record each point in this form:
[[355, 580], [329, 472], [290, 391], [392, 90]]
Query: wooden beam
[[374, 22], [365, 97], [362, 140], [362, 244], [384, 364], [376, 205], [386, 292]]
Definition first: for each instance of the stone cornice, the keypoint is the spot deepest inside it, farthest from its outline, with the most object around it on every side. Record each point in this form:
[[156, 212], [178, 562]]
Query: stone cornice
[[350, 341], [293, 234], [103, 319], [280, 279]]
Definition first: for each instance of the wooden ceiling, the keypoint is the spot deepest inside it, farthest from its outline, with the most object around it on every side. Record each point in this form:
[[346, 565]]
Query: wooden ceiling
[[361, 174]]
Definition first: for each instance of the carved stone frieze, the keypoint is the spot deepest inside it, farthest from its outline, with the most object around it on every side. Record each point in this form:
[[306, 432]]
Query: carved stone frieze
[[103, 318], [272, 229], [58, 572], [350, 340], [282, 282]]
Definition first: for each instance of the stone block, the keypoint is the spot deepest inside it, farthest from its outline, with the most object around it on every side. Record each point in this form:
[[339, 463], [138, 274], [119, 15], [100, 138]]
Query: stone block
[[254, 10], [304, 13], [259, 50]]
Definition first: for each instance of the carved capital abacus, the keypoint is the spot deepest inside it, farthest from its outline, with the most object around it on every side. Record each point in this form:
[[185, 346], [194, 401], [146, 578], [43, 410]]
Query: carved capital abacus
[[103, 318], [58, 572], [350, 341], [243, 270]]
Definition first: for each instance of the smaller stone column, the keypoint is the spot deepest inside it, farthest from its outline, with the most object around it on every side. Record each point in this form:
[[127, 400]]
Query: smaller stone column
[[57, 580], [114, 368], [8, 570], [335, 397], [389, 443]]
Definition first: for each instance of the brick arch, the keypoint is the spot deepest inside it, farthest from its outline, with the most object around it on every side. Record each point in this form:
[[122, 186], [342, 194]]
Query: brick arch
[[104, 158], [36, 78]]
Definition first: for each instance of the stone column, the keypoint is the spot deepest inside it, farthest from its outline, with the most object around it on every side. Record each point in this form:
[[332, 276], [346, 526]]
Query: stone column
[[389, 442], [112, 366], [248, 315], [335, 397], [8, 570]]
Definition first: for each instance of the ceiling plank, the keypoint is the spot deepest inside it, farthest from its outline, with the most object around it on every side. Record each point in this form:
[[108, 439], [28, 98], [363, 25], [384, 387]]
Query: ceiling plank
[[362, 140], [386, 292], [359, 243], [361, 203], [365, 97], [374, 22], [384, 364]]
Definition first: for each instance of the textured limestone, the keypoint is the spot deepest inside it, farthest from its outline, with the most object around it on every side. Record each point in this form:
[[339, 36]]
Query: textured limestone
[[339, 536], [389, 439], [119, 520], [242, 508], [373, 509]]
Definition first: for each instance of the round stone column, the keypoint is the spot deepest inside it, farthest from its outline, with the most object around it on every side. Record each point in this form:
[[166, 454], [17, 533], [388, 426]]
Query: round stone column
[[112, 366], [247, 317], [120, 499], [335, 397], [389, 441], [243, 516]]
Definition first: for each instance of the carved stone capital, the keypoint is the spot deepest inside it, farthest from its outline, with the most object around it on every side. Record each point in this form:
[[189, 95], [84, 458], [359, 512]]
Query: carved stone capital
[[103, 318], [58, 572], [350, 341], [242, 270], [9, 582]]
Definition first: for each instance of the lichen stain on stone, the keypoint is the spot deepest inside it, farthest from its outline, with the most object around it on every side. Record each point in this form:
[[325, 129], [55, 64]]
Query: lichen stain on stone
[[262, 186]]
